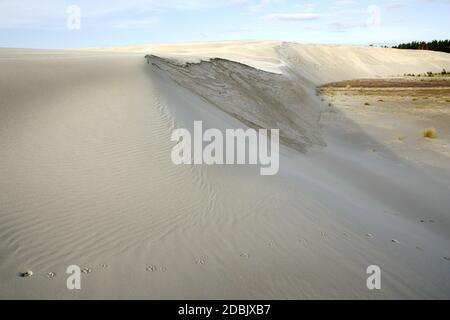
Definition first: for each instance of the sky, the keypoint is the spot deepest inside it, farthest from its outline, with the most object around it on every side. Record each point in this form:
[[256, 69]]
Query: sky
[[98, 23]]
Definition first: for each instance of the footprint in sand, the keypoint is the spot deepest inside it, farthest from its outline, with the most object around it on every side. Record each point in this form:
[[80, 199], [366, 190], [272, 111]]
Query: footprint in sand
[[245, 255], [151, 269], [271, 243], [346, 236], [51, 275], [87, 270], [395, 241], [324, 235], [304, 242], [201, 261], [104, 266], [369, 235]]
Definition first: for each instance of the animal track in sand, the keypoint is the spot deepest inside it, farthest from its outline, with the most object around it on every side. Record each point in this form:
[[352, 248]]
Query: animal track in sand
[[86, 270], [51, 275], [151, 268], [395, 241], [271, 243], [104, 265], [324, 235], [154, 268], [245, 255], [369, 235], [201, 261], [304, 242]]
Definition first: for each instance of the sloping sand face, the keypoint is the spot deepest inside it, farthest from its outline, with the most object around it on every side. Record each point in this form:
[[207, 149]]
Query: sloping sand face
[[87, 178], [257, 98]]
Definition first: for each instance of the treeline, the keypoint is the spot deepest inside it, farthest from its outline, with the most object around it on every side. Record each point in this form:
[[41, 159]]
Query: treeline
[[436, 45]]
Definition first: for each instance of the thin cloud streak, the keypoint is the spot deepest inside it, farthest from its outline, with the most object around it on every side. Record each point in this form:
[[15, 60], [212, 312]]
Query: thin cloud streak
[[292, 16]]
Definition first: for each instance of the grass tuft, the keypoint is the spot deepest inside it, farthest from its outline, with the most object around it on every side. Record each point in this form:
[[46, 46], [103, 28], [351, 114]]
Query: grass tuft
[[430, 133]]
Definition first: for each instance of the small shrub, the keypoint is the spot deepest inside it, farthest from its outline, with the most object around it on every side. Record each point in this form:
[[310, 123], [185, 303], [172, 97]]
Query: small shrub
[[430, 133]]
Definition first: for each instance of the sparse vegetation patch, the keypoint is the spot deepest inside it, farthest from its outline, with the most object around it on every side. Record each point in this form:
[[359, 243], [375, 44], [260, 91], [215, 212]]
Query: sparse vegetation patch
[[430, 133]]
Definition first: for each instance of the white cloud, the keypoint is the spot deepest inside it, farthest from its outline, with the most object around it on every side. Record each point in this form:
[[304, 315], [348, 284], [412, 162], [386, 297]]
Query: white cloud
[[292, 16], [132, 24], [307, 7], [258, 5], [345, 2], [50, 13], [343, 26]]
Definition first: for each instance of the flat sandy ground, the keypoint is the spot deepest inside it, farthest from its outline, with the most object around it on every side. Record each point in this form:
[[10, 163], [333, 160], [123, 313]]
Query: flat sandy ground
[[86, 175], [398, 111]]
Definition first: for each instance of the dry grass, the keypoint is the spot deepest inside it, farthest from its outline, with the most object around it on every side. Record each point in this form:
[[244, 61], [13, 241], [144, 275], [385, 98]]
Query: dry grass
[[430, 133], [429, 82]]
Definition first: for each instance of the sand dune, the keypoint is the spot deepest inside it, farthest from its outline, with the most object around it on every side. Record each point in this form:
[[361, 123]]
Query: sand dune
[[87, 177]]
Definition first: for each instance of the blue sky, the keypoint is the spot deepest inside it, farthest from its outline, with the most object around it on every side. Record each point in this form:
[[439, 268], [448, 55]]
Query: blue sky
[[43, 23]]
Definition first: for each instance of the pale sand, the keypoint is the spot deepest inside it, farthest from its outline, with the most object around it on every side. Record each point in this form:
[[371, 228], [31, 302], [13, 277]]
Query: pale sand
[[86, 177]]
